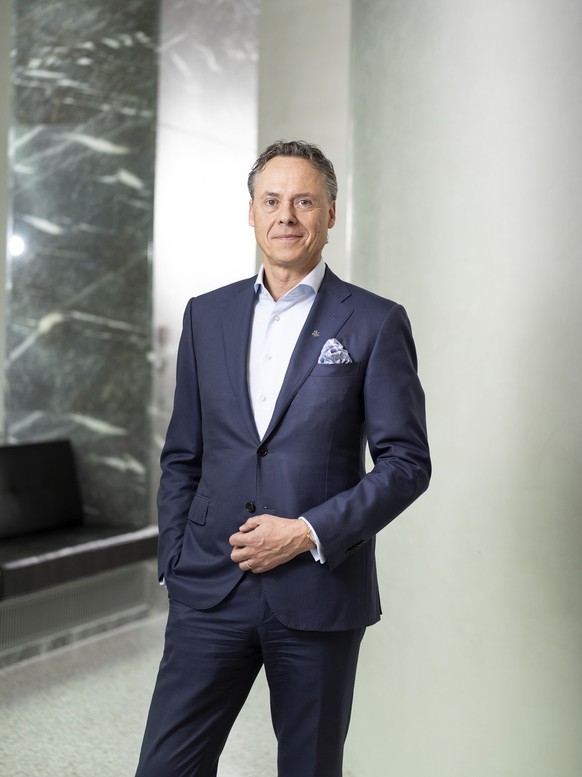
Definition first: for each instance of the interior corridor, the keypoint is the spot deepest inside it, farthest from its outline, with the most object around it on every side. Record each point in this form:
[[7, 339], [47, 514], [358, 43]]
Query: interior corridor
[[80, 711]]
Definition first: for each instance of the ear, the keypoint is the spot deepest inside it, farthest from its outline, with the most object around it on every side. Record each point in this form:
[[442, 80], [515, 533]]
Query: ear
[[331, 221], [251, 214]]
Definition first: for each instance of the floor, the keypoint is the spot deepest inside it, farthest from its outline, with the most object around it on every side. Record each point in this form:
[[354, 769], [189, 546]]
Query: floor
[[80, 711]]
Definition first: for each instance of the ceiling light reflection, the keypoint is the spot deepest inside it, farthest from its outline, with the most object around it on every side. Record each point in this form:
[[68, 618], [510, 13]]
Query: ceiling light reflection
[[16, 246]]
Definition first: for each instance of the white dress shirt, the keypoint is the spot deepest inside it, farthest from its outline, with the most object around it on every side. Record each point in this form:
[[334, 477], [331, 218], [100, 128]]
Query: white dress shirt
[[276, 327]]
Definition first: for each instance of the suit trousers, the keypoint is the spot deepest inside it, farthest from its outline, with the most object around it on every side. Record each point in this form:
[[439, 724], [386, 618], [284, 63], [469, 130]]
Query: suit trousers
[[211, 659]]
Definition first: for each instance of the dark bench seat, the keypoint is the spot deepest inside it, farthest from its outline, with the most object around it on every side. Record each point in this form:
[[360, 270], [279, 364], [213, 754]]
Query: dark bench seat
[[38, 561], [44, 540]]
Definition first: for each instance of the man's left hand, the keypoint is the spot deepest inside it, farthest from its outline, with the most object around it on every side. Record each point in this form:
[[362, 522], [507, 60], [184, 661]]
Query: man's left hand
[[267, 541]]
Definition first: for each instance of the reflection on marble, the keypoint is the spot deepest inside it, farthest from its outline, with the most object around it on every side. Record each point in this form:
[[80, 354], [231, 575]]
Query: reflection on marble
[[208, 75], [207, 134], [79, 294]]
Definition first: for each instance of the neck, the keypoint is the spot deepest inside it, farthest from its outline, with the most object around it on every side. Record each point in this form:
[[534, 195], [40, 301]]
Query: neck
[[279, 280]]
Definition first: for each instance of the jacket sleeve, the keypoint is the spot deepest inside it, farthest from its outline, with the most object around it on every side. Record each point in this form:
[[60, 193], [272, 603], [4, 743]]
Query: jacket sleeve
[[182, 453], [396, 432]]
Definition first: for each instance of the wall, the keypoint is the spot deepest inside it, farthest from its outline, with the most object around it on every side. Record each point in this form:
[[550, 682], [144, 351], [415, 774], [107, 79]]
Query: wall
[[304, 82], [467, 202], [5, 31], [206, 144], [81, 296], [78, 320]]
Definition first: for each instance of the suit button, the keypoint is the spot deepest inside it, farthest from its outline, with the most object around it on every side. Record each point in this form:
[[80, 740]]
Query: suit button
[[263, 450], [251, 507]]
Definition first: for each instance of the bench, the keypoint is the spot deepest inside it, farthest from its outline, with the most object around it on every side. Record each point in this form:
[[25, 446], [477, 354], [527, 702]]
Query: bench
[[44, 538]]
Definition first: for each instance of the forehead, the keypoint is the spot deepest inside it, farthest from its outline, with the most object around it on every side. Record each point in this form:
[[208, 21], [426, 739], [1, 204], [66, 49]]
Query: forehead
[[287, 174]]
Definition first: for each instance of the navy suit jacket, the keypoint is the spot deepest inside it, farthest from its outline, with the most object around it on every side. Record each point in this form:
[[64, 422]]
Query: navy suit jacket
[[216, 471]]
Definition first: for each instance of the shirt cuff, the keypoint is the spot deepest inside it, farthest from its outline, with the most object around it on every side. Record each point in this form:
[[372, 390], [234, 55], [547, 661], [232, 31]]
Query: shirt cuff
[[316, 552]]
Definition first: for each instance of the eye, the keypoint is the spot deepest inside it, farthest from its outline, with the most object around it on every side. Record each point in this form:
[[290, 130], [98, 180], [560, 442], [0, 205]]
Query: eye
[[271, 202], [305, 203]]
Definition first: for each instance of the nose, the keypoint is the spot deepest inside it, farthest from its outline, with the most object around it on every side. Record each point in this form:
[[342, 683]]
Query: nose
[[286, 214]]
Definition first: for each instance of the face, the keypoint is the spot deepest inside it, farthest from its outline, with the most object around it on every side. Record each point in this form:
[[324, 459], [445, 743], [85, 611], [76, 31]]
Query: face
[[291, 213]]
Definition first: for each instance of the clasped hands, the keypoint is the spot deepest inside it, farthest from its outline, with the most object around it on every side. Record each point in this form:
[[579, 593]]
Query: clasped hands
[[266, 541]]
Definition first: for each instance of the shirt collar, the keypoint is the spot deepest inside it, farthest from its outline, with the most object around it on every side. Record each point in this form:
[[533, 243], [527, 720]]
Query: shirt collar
[[311, 282]]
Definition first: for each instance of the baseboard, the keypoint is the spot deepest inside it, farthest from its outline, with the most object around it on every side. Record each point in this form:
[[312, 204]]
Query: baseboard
[[36, 623]]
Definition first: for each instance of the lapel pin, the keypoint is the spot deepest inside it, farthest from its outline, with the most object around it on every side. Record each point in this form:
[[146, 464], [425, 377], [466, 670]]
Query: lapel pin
[[315, 333]]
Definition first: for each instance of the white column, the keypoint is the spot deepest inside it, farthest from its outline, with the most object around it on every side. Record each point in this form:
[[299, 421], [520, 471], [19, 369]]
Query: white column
[[206, 144], [304, 90], [468, 195]]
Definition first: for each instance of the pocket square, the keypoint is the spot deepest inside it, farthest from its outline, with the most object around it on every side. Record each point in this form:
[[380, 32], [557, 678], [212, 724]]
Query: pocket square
[[333, 352]]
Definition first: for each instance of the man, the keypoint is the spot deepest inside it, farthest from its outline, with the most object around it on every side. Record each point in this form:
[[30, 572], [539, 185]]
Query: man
[[267, 516]]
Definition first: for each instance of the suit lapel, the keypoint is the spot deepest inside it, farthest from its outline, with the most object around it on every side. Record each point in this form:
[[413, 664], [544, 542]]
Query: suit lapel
[[331, 309], [236, 319]]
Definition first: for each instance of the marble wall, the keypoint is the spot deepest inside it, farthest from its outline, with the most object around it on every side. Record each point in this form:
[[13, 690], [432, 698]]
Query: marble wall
[[5, 88], [78, 302]]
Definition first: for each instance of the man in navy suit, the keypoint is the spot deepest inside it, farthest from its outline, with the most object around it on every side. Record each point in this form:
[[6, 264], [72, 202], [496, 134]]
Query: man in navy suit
[[267, 515]]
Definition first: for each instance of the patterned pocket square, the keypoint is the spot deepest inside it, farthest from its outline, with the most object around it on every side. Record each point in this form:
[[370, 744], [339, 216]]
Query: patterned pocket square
[[333, 352]]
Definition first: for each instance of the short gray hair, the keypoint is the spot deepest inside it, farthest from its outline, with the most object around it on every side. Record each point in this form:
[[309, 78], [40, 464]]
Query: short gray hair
[[303, 150]]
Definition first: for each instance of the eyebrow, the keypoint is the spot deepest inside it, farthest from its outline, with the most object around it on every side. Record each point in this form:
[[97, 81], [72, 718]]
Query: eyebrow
[[299, 194]]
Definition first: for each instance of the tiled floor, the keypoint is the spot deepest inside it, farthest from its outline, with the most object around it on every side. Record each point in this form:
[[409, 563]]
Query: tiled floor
[[80, 711]]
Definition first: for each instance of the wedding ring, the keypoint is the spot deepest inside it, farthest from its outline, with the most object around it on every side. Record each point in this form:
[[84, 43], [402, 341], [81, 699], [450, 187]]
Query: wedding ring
[[249, 567]]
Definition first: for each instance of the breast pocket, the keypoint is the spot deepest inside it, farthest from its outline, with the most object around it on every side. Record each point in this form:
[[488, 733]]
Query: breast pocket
[[329, 390], [335, 370]]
